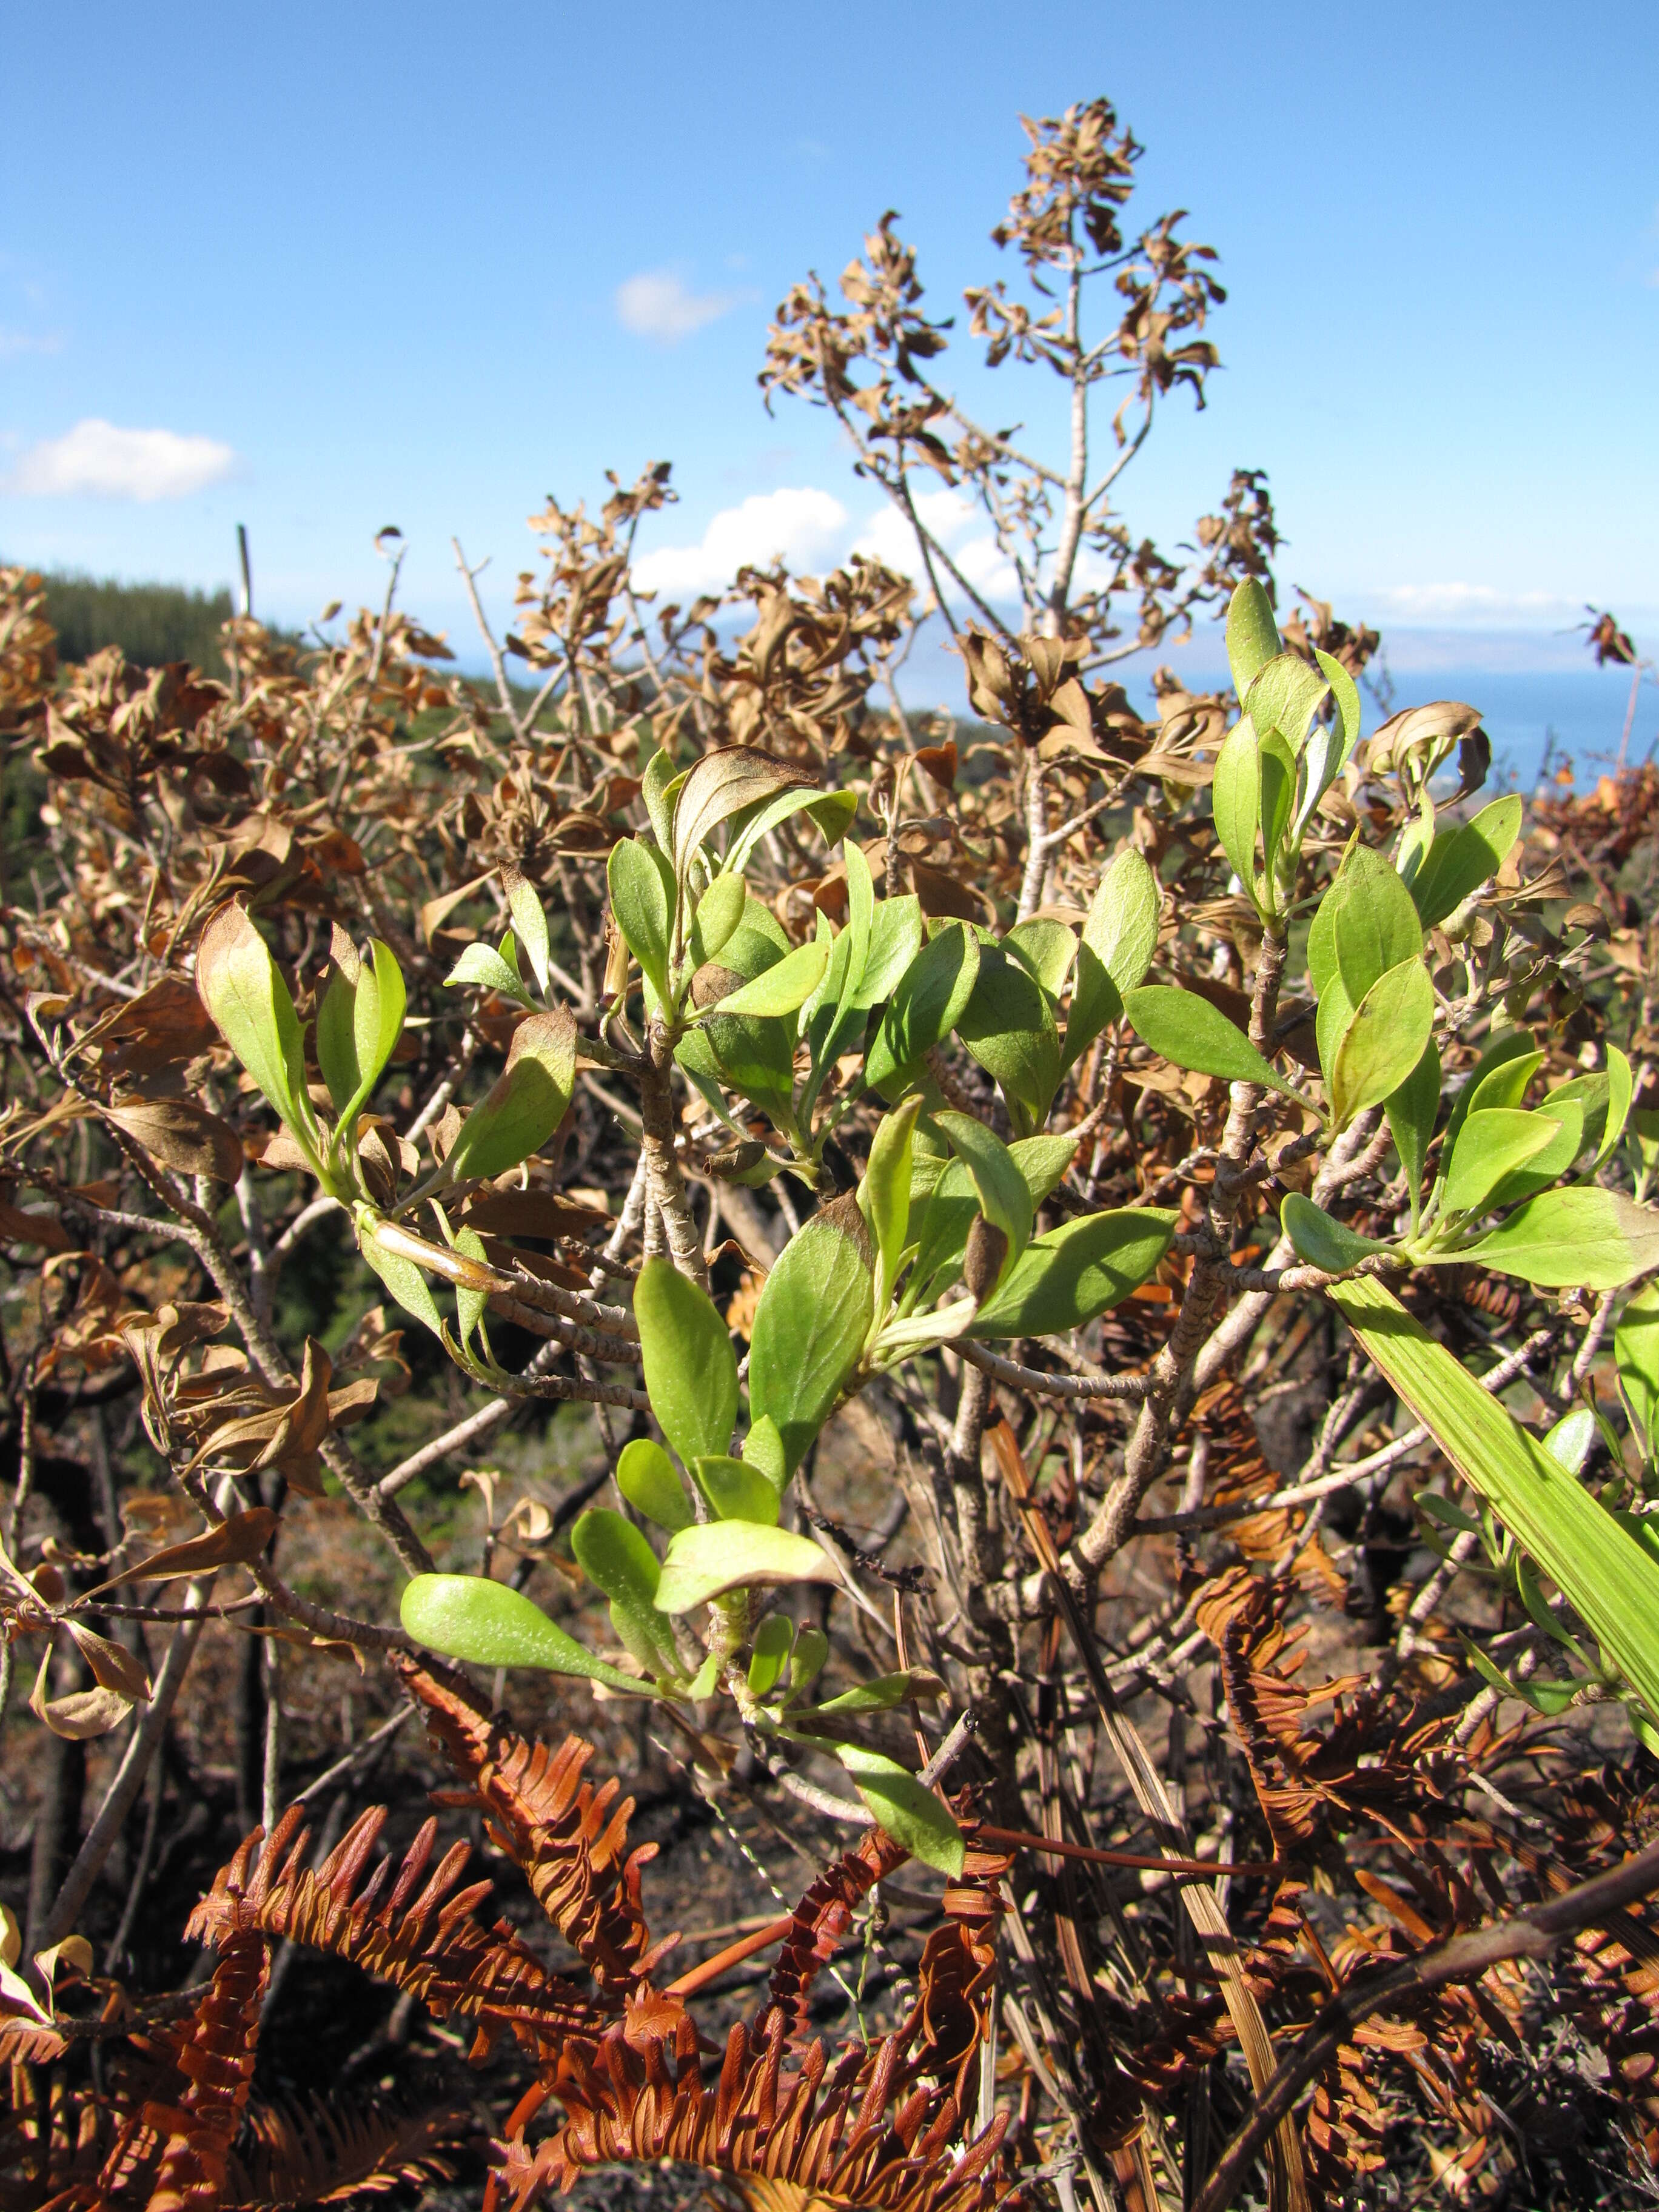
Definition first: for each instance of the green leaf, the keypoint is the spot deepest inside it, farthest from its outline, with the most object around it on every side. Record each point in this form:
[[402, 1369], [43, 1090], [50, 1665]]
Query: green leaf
[[1551, 1161], [713, 1557], [482, 966], [646, 1478], [1278, 803], [719, 910], [754, 1057], [1329, 746], [1190, 1032], [241, 988], [490, 1625], [906, 1808], [896, 938], [1570, 1439], [763, 1448], [691, 1369], [1069, 1275], [1043, 1161], [1285, 697], [1045, 948], [1383, 1042], [1005, 1198], [928, 1002], [1321, 1241], [1236, 800], [1095, 1000], [1374, 924], [1410, 1112], [1252, 636], [1460, 860], [770, 1653], [723, 783], [526, 1103], [1008, 1025], [1636, 1348], [884, 1192], [1493, 1141], [640, 904], [529, 921], [470, 1304], [1121, 928], [1605, 1574], [736, 1490], [881, 1692], [400, 1275], [807, 1660], [1500, 1079], [660, 788], [1598, 1240], [785, 987], [831, 812], [810, 1323], [616, 1559]]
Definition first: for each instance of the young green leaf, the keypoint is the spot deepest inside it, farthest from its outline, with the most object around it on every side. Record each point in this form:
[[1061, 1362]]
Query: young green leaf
[[1285, 697], [640, 902], [1329, 746], [471, 1618], [881, 1692], [1500, 1079], [928, 1002], [1383, 1042], [1550, 1161], [1008, 1025], [646, 1478], [763, 1448], [737, 1490], [831, 812], [616, 1559], [770, 1653], [481, 967], [399, 1274], [240, 986], [1252, 634], [1589, 1238], [1460, 860], [529, 921], [884, 1192], [1411, 1111], [1493, 1141], [713, 1557], [1121, 928], [358, 1025], [1069, 1275], [1236, 801], [718, 912], [785, 987], [1045, 948], [807, 1660], [1374, 925], [896, 939], [1004, 1197], [691, 1369], [810, 1323], [1321, 1240], [1190, 1032], [526, 1102], [906, 1808], [1278, 803]]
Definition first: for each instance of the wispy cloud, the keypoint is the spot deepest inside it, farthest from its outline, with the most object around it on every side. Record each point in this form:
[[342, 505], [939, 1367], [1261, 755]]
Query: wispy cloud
[[14, 343], [659, 305], [804, 526], [100, 461], [1473, 605]]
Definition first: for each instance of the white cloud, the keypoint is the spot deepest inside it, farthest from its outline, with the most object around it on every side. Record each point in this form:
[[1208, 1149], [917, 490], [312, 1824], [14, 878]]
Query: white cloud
[[98, 459], [14, 343], [803, 527], [659, 304], [1474, 605]]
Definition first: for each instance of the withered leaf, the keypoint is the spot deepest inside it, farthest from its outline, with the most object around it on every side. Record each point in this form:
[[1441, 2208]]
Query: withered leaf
[[238, 1538], [183, 1136]]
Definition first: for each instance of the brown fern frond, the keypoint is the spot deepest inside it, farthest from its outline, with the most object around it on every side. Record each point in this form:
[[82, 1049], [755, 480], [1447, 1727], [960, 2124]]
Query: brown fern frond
[[331, 2152], [883, 2127], [430, 1944], [822, 1918], [569, 1839]]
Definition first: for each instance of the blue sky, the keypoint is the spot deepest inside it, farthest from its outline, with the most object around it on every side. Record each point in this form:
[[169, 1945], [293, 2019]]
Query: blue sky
[[366, 264]]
